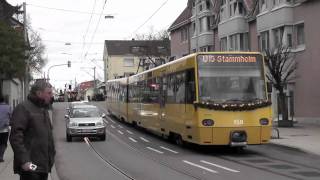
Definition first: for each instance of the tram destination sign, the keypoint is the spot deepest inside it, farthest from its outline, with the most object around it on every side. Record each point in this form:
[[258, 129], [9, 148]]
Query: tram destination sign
[[229, 59]]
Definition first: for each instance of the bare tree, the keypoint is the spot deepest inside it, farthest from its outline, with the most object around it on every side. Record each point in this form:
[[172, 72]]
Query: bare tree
[[150, 55], [36, 53], [281, 65]]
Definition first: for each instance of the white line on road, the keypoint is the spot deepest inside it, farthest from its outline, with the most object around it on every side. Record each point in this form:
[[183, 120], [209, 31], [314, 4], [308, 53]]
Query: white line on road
[[86, 140], [145, 140], [216, 165], [112, 121], [199, 166], [132, 139], [120, 126], [155, 150], [120, 132], [113, 126], [169, 149], [129, 132], [107, 122]]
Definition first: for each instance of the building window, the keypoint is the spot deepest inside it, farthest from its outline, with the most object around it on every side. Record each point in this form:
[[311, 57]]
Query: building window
[[289, 40], [263, 5], [208, 4], [184, 35], [128, 62], [209, 22], [233, 39], [202, 24], [193, 28], [223, 44], [264, 40], [278, 36], [244, 42], [200, 7], [300, 34]]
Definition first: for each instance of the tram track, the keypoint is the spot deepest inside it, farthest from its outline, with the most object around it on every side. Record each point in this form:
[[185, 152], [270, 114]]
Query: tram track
[[119, 170], [108, 162], [295, 173]]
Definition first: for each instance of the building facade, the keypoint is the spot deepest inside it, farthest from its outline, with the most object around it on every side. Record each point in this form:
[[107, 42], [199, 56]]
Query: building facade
[[258, 25], [125, 58]]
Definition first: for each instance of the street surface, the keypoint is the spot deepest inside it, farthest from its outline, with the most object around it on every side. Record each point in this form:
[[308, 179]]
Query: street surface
[[130, 153]]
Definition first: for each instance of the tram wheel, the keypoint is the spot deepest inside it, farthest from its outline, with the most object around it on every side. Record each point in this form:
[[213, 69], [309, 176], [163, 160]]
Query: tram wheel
[[178, 140]]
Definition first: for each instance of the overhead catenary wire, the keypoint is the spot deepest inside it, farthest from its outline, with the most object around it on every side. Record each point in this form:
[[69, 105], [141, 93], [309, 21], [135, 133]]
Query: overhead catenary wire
[[155, 12], [85, 34], [93, 35], [65, 10]]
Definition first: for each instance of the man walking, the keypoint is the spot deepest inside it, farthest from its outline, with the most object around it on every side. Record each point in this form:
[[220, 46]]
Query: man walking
[[5, 112], [31, 134]]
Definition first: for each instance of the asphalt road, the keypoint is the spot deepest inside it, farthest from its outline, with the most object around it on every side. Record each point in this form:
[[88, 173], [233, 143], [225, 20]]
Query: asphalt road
[[130, 153]]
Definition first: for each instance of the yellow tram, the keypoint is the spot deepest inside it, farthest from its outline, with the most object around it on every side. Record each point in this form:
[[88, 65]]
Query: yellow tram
[[213, 98]]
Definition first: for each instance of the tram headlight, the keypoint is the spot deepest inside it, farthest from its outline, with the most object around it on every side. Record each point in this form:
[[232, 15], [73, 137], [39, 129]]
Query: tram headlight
[[264, 121], [207, 122]]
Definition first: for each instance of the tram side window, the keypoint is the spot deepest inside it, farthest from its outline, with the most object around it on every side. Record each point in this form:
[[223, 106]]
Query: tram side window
[[170, 98], [190, 87], [180, 90]]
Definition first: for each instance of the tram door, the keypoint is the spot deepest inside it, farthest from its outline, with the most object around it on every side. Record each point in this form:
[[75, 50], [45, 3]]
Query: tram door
[[162, 101]]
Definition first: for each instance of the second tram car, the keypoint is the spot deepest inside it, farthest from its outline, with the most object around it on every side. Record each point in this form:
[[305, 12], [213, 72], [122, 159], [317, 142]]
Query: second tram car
[[203, 98]]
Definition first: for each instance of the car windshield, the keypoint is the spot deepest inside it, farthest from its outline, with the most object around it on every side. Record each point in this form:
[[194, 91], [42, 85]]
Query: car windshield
[[85, 112], [228, 81]]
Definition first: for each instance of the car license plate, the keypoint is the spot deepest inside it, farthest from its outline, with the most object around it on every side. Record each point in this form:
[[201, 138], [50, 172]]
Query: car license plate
[[87, 130]]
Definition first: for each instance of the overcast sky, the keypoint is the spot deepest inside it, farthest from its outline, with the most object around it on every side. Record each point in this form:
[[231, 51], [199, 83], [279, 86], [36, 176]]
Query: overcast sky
[[70, 21]]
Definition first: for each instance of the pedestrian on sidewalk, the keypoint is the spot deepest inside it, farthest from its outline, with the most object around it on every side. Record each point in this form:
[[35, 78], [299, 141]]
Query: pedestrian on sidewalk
[[5, 113], [31, 134]]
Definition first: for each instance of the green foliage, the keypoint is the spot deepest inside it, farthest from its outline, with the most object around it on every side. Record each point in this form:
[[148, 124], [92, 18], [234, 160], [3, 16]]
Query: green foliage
[[12, 53]]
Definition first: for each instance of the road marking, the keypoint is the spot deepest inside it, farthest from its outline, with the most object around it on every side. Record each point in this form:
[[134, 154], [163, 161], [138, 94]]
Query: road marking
[[113, 126], [199, 166], [132, 139], [112, 121], [120, 126], [222, 167], [120, 132], [129, 132], [107, 122], [86, 140], [145, 140], [155, 150], [169, 149]]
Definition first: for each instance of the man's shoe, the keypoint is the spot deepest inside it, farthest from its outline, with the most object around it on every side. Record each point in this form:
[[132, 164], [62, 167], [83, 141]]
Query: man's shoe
[[1, 160]]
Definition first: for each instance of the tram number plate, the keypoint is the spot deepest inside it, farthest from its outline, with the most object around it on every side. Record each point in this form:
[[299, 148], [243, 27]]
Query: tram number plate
[[238, 121]]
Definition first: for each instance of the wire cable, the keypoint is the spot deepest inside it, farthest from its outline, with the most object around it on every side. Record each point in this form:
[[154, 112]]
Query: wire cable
[[84, 37], [65, 10], [149, 17], [94, 33]]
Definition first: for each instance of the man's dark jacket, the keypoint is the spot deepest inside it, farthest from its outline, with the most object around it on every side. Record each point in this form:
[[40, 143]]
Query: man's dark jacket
[[31, 136]]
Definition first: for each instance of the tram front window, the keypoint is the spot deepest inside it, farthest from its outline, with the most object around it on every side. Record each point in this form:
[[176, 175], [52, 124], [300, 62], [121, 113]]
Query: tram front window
[[231, 83]]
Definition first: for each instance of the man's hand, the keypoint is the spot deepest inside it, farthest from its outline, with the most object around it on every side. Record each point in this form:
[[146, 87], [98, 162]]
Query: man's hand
[[28, 166]]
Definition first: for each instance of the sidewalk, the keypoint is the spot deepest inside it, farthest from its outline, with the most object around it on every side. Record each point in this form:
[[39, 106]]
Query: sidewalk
[[6, 167], [303, 136]]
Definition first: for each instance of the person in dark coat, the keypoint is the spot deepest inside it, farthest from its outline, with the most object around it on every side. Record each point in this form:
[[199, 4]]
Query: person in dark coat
[[31, 134], [5, 112]]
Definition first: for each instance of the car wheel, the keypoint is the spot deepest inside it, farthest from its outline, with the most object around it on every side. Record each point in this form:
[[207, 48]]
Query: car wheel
[[69, 138], [103, 137]]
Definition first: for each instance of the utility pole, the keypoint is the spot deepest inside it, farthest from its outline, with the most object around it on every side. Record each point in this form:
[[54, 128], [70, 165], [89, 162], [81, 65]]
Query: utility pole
[[26, 77], [94, 80]]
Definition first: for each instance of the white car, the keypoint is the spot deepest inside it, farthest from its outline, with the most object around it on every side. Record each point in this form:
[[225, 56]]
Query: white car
[[85, 121]]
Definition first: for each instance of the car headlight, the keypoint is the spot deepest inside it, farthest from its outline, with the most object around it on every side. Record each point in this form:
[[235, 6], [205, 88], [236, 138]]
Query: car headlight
[[72, 124], [100, 123]]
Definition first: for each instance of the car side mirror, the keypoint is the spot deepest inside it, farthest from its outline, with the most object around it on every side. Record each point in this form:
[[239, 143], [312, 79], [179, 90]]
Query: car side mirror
[[66, 116]]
